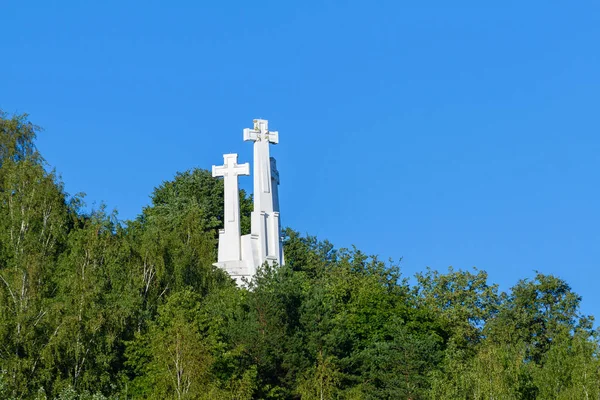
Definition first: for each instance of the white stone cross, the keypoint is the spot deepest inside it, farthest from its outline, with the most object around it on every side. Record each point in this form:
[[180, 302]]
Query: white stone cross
[[262, 138], [230, 171], [229, 237]]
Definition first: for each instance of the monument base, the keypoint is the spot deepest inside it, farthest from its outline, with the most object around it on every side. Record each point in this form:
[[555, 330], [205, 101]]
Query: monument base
[[236, 270]]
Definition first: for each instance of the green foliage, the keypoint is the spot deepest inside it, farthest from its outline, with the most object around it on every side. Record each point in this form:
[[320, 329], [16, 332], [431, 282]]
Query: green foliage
[[92, 308], [464, 301], [34, 223], [176, 361]]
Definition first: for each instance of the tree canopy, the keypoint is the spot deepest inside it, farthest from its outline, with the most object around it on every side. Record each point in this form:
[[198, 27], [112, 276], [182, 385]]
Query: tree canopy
[[95, 308]]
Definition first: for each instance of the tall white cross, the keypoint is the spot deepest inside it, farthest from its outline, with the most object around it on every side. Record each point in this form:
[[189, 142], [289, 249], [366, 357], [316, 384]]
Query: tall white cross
[[260, 135], [229, 238], [265, 217]]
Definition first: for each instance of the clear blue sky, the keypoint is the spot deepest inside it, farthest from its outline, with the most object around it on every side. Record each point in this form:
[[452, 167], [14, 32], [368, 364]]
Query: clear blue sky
[[447, 133]]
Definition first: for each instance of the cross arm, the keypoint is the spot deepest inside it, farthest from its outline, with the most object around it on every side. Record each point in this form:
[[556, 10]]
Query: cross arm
[[242, 169], [219, 170], [272, 137], [251, 135]]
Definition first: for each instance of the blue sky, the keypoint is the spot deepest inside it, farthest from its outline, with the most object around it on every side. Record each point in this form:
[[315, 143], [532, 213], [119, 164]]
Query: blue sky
[[447, 133]]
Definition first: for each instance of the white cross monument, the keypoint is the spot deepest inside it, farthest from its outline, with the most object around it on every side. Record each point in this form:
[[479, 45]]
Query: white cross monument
[[265, 238], [263, 244], [229, 257]]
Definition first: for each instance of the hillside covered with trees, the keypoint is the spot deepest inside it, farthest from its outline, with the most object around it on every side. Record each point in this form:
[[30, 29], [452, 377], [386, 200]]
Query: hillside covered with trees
[[95, 308]]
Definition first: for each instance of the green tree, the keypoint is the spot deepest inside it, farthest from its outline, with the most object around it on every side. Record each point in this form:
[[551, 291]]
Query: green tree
[[175, 363], [98, 304], [174, 239], [463, 302], [537, 313], [34, 222], [570, 368]]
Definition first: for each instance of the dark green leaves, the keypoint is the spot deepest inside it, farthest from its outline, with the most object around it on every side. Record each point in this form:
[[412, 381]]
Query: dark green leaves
[[91, 308]]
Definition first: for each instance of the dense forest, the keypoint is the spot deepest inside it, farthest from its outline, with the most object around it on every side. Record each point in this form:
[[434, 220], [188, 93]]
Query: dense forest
[[95, 308]]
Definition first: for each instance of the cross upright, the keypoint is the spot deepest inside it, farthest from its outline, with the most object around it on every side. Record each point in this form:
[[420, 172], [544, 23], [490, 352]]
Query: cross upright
[[260, 135], [229, 247]]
